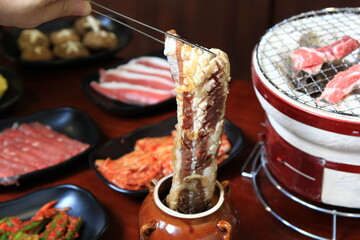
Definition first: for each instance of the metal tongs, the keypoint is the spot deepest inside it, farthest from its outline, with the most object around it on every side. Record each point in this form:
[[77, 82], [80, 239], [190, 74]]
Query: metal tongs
[[145, 25]]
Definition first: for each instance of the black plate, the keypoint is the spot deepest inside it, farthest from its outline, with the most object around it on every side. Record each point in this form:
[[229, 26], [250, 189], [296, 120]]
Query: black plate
[[69, 121], [14, 91], [8, 43], [120, 146], [82, 203], [118, 107]]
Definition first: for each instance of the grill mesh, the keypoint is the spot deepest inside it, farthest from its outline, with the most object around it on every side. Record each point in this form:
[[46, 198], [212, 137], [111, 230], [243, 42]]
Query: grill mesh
[[311, 29]]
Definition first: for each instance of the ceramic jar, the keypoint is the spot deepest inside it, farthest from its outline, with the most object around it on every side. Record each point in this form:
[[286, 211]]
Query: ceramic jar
[[158, 222]]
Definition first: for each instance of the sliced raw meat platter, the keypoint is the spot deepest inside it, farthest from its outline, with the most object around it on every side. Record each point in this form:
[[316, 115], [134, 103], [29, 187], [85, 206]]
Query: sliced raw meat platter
[[29, 147], [147, 80], [131, 93], [38, 152], [152, 62], [141, 81], [311, 60], [152, 70], [71, 145], [341, 85], [32, 140], [14, 163]]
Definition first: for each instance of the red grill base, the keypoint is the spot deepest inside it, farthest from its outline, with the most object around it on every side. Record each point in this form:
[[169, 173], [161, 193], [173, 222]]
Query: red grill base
[[286, 161]]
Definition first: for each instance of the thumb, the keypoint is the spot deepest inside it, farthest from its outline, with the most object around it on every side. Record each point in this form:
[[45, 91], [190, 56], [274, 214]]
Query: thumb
[[63, 8]]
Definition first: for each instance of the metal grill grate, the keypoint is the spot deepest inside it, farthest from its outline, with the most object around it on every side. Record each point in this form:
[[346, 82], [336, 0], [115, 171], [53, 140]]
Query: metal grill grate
[[311, 29]]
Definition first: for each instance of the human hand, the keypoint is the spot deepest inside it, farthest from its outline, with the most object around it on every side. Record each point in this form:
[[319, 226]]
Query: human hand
[[31, 13]]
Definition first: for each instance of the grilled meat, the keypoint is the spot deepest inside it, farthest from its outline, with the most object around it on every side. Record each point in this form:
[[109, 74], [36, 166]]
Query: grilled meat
[[201, 86]]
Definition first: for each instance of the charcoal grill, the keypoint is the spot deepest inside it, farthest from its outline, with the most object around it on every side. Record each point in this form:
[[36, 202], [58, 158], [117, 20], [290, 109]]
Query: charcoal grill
[[312, 150], [312, 29]]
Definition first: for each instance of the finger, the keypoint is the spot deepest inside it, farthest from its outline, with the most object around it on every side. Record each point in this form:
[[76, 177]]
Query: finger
[[76, 7], [63, 8]]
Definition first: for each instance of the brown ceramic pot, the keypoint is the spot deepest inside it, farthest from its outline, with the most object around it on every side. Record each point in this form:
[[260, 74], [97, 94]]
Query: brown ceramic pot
[[158, 222]]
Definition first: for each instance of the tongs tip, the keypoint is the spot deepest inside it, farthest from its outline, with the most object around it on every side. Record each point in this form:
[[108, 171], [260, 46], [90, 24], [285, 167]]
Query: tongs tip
[[189, 43], [145, 25]]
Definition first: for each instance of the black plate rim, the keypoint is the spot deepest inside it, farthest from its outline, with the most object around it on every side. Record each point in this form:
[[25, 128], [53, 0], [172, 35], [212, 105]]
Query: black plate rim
[[236, 149], [119, 107], [72, 187], [67, 62], [94, 131]]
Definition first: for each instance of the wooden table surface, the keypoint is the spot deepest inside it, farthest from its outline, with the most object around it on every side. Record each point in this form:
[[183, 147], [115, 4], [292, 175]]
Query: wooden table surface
[[58, 88]]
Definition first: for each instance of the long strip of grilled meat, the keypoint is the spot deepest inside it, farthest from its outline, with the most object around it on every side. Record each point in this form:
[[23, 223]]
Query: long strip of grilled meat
[[201, 85]]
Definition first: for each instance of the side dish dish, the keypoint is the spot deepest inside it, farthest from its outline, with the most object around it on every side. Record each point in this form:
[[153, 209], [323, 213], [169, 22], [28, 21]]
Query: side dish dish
[[29, 147], [86, 35], [141, 81], [47, 223], [151, 159]]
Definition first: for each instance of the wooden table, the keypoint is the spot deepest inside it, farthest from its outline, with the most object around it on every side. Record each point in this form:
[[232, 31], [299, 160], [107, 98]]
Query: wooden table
[[52, 89]]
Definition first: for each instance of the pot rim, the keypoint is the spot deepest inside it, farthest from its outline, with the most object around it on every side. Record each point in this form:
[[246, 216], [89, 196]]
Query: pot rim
[[173, 213]]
